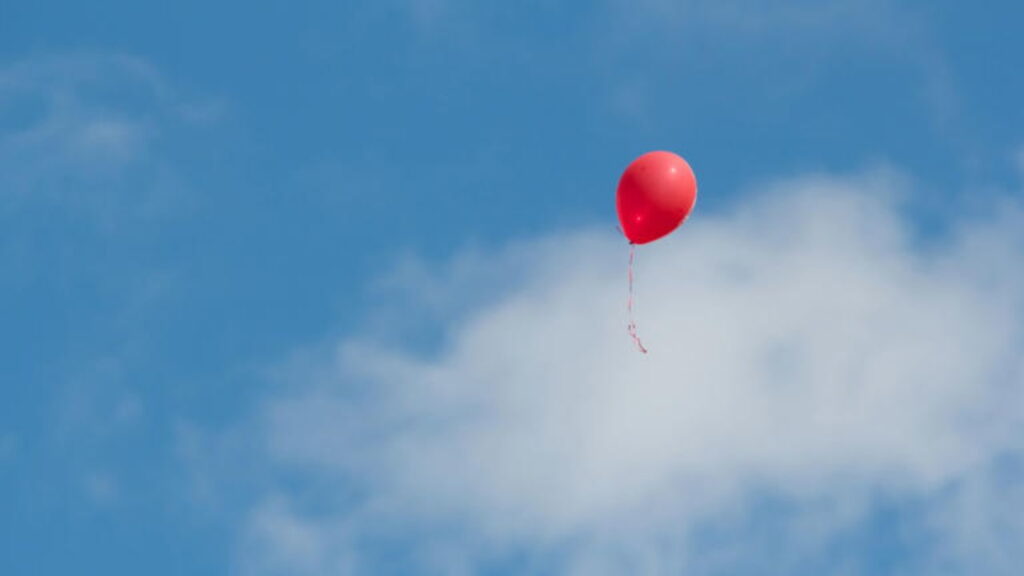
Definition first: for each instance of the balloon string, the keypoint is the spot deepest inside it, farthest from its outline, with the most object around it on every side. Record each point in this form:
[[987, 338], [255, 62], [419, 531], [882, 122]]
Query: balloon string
[[629, 303]]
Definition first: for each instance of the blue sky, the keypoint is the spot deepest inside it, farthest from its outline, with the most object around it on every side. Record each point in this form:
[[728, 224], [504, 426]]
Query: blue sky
[[226, 229]]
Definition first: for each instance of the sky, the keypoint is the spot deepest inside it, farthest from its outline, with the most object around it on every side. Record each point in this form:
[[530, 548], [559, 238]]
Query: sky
[[337, 289]]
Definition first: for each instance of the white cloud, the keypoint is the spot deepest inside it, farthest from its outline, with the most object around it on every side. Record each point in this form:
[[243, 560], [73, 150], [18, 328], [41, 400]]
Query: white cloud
[[809, 347]]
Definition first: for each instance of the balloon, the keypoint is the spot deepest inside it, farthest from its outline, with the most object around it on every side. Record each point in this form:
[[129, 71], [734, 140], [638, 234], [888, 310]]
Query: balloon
[[655, 194]]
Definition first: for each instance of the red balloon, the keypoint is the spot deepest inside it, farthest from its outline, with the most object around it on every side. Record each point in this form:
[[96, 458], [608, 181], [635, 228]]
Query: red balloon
[[656, 193]]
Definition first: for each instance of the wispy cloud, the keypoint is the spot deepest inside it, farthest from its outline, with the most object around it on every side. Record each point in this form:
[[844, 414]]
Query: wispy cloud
[[794, 44], [86, 174], [75, 129], [53, 113], [101, 488], [277, 540], [807, 350], [648, 55]]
